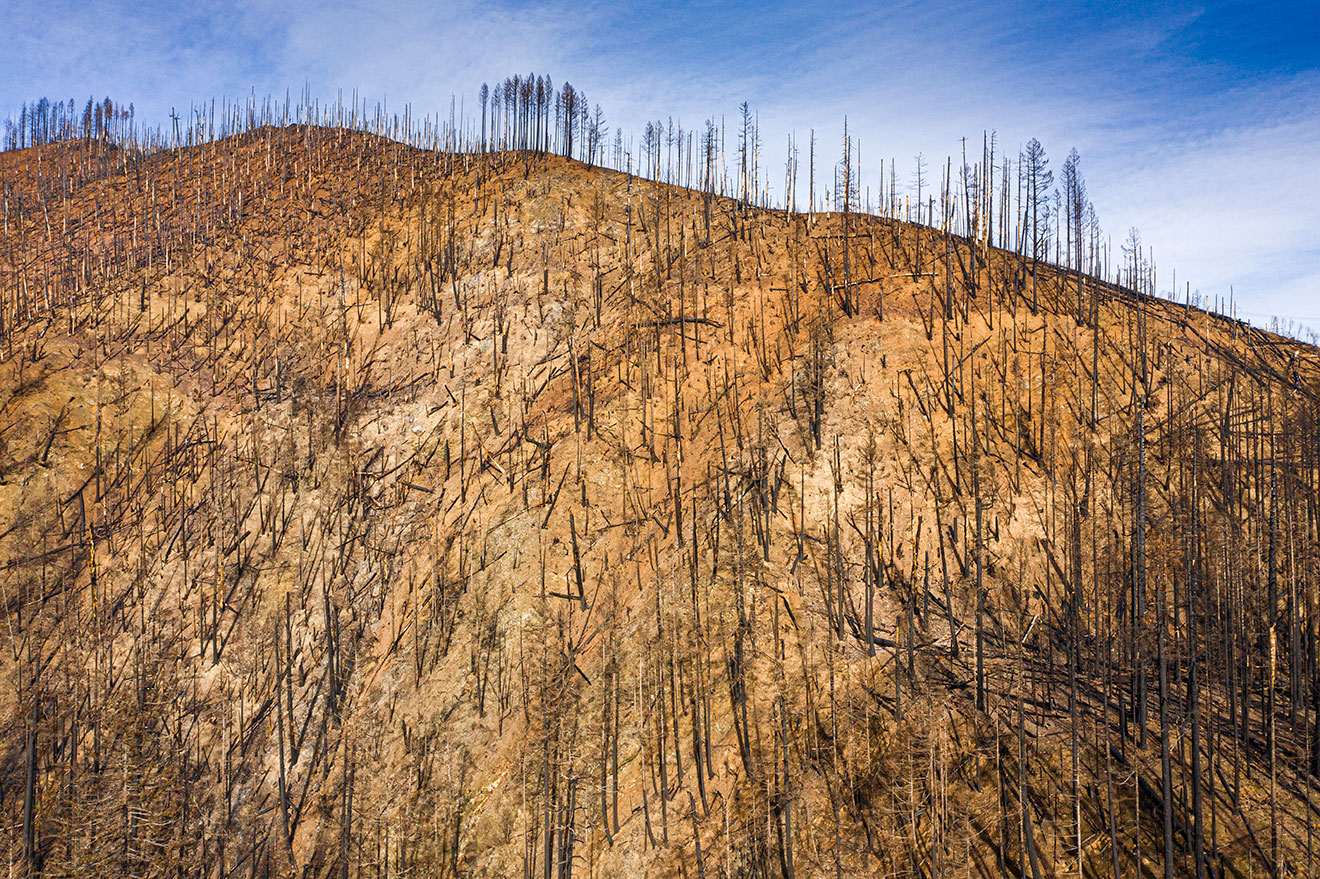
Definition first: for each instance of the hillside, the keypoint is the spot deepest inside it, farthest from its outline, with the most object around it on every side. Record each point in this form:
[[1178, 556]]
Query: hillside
[[374, 511]]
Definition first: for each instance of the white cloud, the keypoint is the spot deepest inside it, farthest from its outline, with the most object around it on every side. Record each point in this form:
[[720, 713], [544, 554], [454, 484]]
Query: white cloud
[[1214, 171]]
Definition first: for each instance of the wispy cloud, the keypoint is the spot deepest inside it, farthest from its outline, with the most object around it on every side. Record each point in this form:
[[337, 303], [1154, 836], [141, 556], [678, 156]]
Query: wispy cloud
[[1195, 124]]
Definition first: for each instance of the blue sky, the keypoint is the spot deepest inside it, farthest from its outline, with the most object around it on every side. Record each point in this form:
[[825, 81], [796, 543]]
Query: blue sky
[[1197, 123]]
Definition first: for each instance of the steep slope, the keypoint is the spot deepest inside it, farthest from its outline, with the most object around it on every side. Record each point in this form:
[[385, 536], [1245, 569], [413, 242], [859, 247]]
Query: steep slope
[[372, 511]]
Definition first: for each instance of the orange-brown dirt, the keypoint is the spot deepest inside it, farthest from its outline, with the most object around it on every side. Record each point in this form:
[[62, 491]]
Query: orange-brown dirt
[[375, 512]]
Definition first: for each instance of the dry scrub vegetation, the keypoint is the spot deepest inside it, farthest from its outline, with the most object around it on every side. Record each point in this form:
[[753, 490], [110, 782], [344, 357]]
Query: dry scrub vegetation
[[368, 510]]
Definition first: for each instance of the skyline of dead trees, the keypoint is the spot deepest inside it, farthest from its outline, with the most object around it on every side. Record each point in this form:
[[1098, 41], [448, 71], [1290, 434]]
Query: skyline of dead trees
[[378, 510], [529, 114]]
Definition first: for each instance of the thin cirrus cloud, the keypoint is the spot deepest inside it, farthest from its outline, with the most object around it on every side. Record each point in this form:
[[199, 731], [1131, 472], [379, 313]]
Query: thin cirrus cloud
[[1194, 124]]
